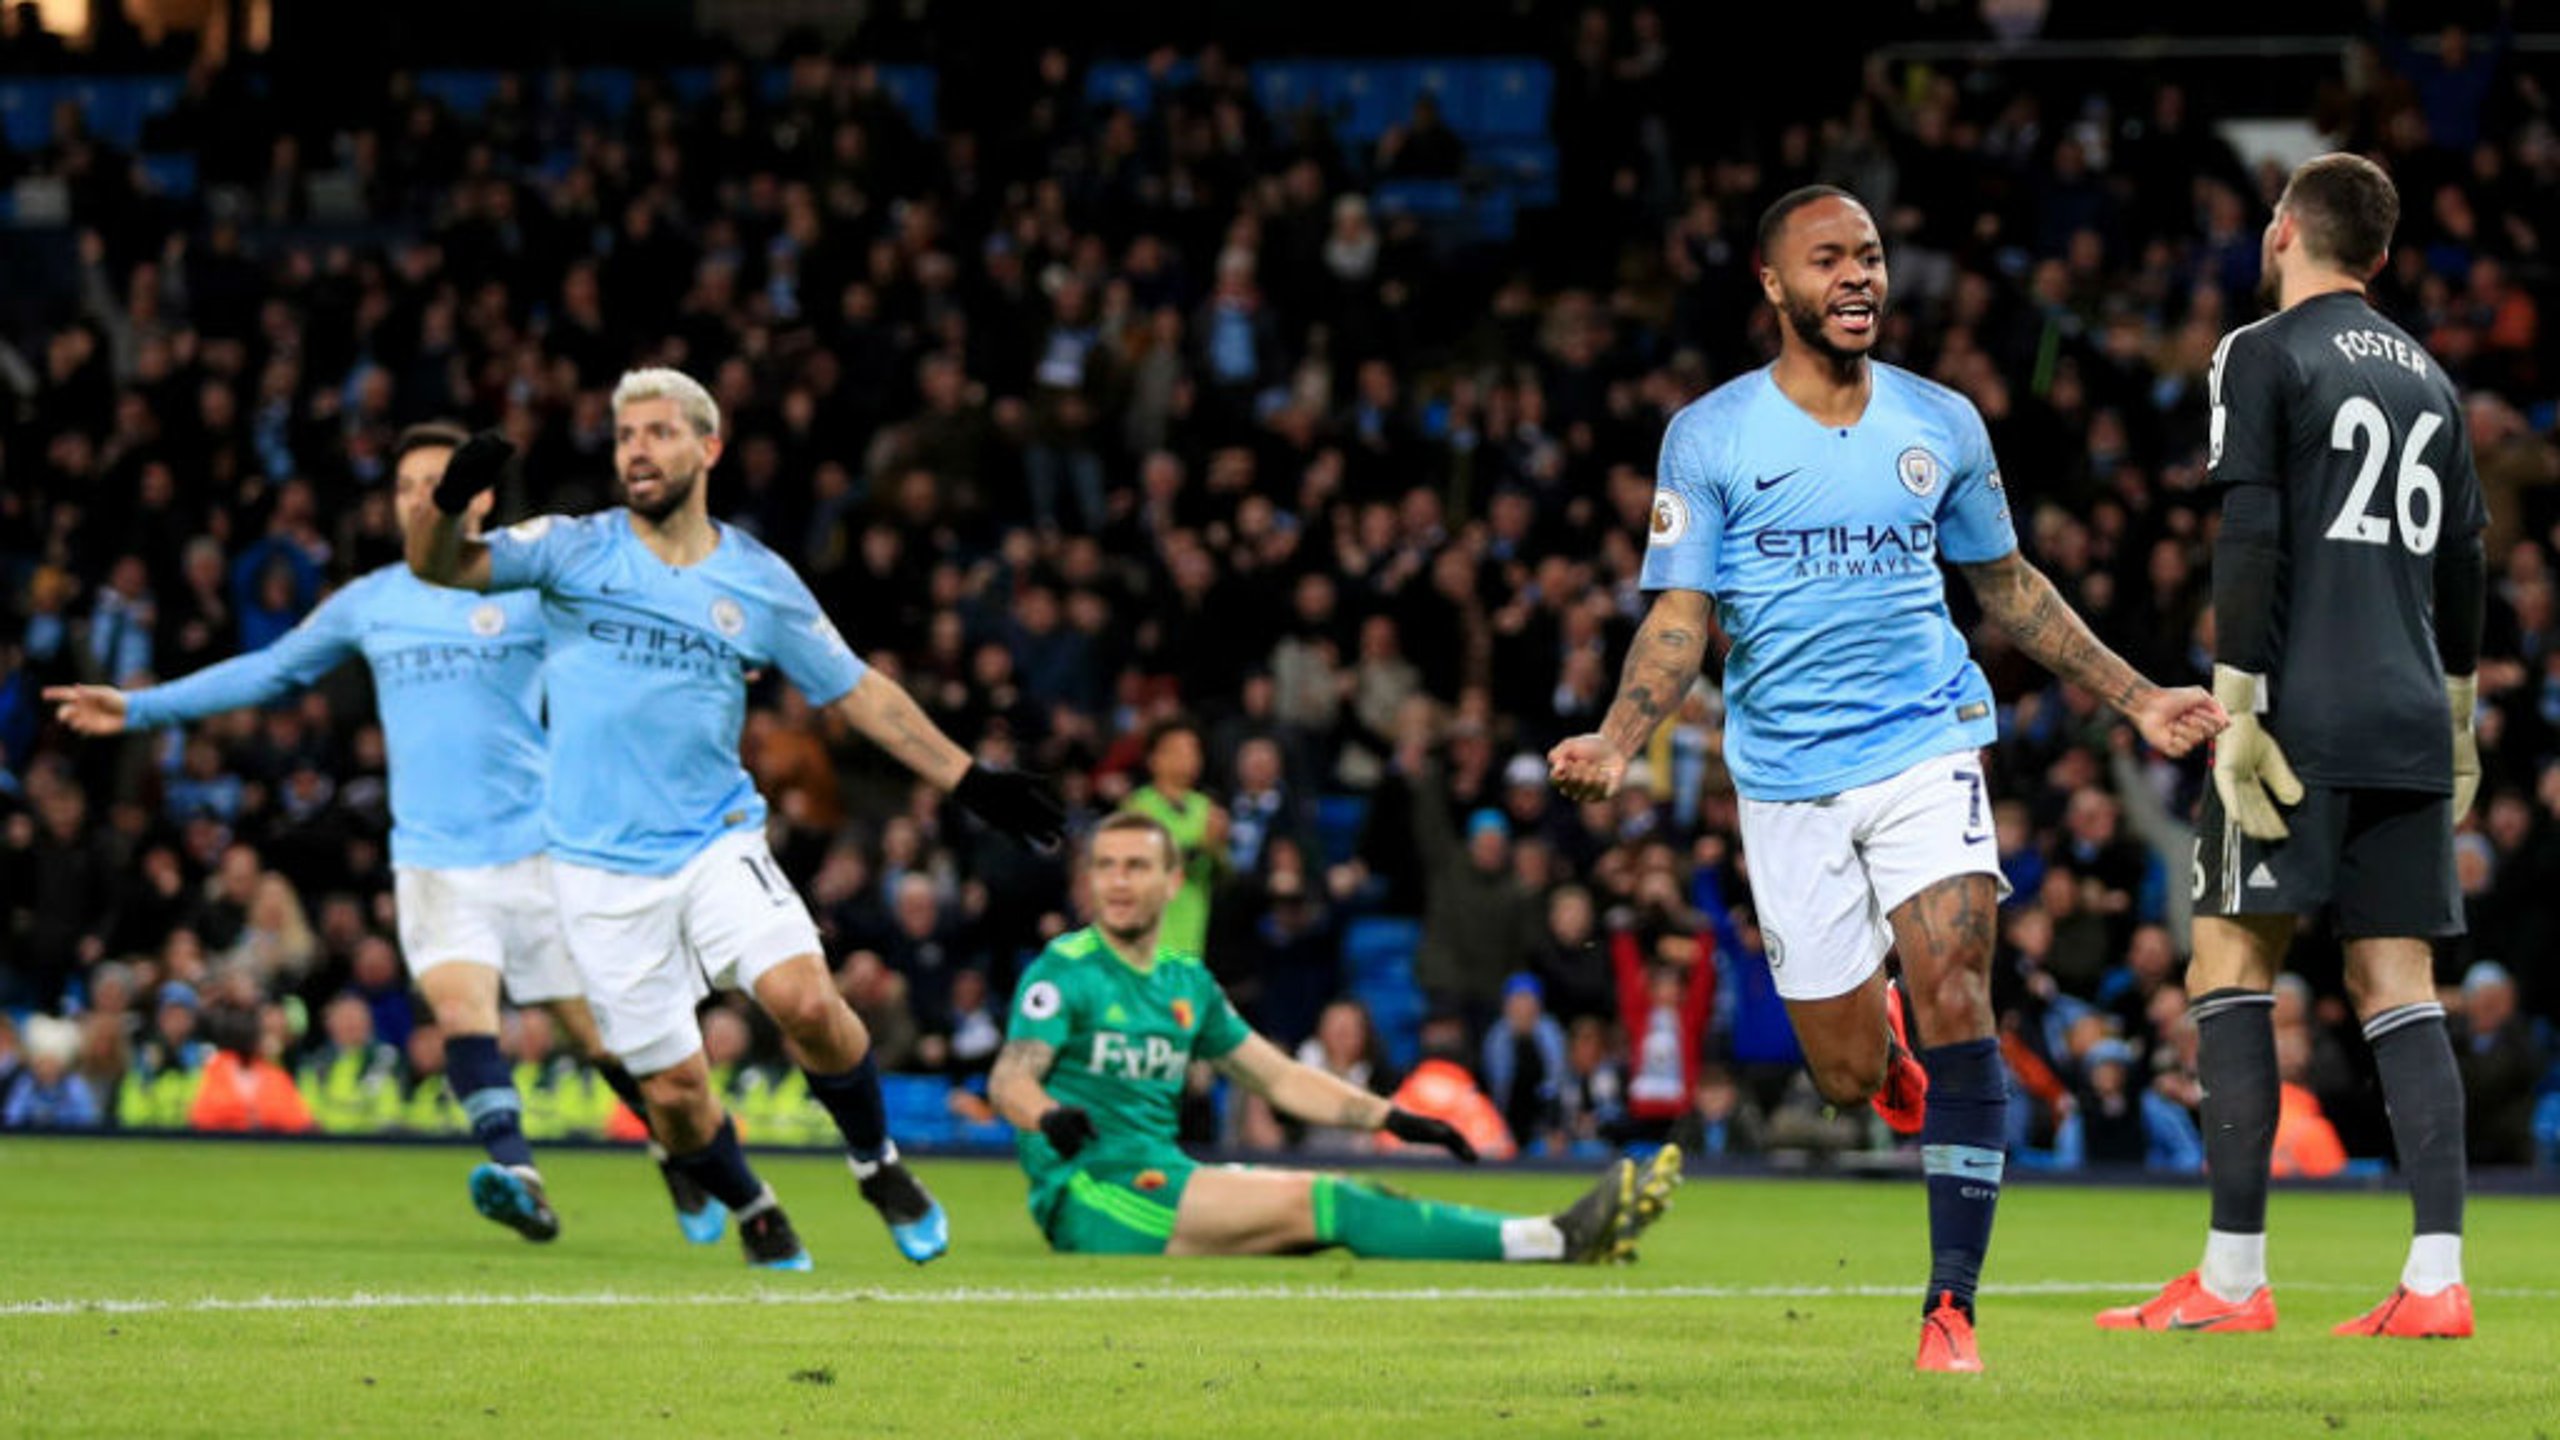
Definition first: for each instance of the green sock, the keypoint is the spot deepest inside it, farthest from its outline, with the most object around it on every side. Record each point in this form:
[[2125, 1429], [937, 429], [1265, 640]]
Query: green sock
[[1377, 1224]]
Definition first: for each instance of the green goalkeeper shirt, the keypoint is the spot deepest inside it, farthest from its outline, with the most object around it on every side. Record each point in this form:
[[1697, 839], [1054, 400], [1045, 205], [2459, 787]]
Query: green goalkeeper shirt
[[1125, 1038]]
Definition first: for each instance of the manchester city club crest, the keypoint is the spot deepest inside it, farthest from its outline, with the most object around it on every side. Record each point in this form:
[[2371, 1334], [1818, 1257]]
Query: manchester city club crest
[[1919, 470], [1670, 516], [487, 620], [727, 618]]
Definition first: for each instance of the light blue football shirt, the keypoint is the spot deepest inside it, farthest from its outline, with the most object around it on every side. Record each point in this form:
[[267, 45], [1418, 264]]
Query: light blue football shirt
[[458, 680], [1821, 545], [647, 681]]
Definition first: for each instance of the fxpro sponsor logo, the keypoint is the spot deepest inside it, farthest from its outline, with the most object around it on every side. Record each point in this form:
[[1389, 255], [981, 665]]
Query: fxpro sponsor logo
[[1127, 1057], [1825, 552]]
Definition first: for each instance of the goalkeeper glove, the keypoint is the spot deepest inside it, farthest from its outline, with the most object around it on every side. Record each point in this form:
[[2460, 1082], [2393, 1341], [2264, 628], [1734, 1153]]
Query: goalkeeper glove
[[1013, 802], [1067, 1129], [2249, 770], [2462, 697], [472, 471], [1424, 1130]]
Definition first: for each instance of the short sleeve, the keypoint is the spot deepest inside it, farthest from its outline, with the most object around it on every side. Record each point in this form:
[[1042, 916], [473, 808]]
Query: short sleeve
[[806, 645], [1688, 512], [2245, 438], [1221, 1028], [1040, 1010], [533, 554], [1974, 525]]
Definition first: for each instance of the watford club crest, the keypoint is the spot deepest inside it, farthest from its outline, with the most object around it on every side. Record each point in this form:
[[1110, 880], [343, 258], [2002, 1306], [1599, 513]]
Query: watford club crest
[[1182, 1013]]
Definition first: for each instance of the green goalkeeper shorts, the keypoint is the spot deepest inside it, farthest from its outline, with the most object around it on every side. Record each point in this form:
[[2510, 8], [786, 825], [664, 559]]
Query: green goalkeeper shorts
[[1118, 1204]]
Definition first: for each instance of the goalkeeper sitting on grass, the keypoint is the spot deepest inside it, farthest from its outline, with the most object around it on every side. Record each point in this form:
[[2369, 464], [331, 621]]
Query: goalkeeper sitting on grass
[[1105, 1025]]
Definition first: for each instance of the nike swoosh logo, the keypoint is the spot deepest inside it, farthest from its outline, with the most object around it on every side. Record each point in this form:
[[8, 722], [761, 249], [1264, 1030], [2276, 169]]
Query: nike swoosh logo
[[619, 589], [2181, 1322], [1779, 479], [1977, 839]]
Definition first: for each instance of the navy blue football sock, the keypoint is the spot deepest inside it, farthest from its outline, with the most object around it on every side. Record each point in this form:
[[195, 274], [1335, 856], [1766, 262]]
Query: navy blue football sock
[[853, 1099], [626, 1088], [721, 1169], [1962, 1149], [479, 1077]]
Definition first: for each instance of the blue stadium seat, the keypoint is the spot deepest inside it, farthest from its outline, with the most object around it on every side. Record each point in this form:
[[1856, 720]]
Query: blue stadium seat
[[1512, 99], [172, 174], [26, 113], [112, 108], [1340, 822], [1397, 1013], [465, 92], [1496, 216], [1374, 94], [1525, 168], [1458, 86], [1380, 946], [918, 1107], [611, 87], [1124, 83], [918, 90], [689, 83], [1286, 87], [1429, 199]]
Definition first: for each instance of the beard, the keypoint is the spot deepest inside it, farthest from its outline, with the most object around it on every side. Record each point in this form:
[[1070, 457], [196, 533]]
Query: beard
[[1808, 317], [1129, 934], [673, 491]]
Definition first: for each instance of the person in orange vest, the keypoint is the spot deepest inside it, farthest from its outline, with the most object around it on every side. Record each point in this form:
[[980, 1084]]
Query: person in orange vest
[[2306, 1143], [1442, 1088], [244, 1088]]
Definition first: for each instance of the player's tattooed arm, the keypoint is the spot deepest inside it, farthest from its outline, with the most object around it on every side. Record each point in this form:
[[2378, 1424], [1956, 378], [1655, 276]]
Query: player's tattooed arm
[[1300, 1091], [1016, 1083], [2023, 602], [890, 718], [1661, 666]]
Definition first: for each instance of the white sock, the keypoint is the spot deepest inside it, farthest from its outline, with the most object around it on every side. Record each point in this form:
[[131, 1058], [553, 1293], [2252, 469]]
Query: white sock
[[865, 1169], [1535, 1239], [2435, 1263], [2235, 1266]]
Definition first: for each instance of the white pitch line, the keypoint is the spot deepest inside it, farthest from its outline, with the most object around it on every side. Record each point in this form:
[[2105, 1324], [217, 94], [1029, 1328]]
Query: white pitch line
[[1088, 1295]]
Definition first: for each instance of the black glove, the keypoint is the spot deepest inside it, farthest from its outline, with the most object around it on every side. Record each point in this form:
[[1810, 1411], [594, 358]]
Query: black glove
[[473, 469], [1013, 802], [1423, 1130], [1067, 1129]]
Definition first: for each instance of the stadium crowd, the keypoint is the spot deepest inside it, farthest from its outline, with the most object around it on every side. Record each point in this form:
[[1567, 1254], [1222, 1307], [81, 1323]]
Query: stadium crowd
[[1153, 452]]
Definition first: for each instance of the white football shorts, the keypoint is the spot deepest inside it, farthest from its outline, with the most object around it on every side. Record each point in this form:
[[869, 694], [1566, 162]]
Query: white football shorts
[[1826, 874], [499, 917], [651, 947]]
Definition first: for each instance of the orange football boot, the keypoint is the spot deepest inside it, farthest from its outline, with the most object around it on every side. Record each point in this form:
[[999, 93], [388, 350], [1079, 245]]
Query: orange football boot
[[2186, 1305], [1946, 1339], [1903, 1100], [2408, 1315]]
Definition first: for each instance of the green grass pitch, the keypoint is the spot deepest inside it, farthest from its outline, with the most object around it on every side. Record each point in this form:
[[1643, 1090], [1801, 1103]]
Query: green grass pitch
[[383, 1306]]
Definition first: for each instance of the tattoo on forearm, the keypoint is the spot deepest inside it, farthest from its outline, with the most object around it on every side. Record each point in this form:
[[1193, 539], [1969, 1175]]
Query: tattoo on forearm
[[1021, 1060], [1661, 665], [1360, 1112], [2023, 602]]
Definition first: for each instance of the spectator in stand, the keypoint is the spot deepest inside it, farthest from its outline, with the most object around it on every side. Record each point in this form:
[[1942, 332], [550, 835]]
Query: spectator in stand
[[1480, 924], [2502, 1067], [51, 1095], [244, 1088], [1524, 1066], [1442, 1088], [1172, 794]]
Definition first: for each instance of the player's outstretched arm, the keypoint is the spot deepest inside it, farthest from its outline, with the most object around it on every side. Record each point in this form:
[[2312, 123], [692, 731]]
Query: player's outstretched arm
[[2018, 597], [324, 639], [1013, 802], [437, 550], [1016, 1088], [1306, 1093], [1661, 666]]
